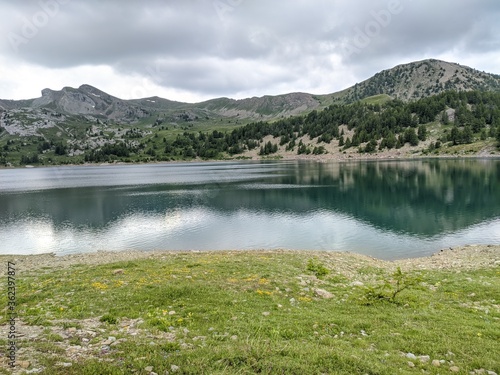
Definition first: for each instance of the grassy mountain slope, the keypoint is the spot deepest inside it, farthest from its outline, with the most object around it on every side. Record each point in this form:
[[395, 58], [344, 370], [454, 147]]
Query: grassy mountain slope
[[421, 79], [264, 107]]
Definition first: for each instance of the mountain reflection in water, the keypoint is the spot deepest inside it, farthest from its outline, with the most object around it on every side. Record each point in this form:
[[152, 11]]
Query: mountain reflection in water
[[388, 209]]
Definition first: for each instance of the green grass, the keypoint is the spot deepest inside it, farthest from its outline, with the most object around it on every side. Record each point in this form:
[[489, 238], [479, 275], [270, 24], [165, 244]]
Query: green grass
[[247, 313], [376, 99]]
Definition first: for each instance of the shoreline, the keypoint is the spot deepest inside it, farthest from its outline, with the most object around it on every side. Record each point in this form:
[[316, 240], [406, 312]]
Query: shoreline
[[317, 158], [464, 257]]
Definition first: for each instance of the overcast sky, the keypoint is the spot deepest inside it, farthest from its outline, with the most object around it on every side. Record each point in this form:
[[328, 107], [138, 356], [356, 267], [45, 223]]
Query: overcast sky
[[193, 50]]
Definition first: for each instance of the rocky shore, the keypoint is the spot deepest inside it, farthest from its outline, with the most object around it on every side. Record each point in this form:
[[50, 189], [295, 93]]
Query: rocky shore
[[466, 257]]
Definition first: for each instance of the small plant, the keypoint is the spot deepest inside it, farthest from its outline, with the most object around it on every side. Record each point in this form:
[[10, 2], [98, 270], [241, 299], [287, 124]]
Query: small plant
[[107, 318], [317, 268], [390, 289], [67, 325]]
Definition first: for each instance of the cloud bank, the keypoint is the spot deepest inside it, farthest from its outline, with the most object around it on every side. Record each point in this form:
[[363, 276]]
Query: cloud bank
[[193, 50]]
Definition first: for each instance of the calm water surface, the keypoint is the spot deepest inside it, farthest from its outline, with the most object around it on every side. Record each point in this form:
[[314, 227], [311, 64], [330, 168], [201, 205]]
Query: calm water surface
[[389, 210]]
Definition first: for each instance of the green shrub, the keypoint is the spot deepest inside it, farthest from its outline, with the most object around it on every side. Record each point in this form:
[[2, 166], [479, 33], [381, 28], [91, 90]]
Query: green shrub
[[107, 318], [317, 268], [390, 288]]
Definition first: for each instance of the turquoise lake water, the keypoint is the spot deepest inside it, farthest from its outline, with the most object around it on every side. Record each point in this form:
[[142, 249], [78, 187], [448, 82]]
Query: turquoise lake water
[[386, 209]]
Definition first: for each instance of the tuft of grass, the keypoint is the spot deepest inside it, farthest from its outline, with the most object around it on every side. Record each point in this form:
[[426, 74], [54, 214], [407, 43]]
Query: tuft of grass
[[318, 268], [107, 318]]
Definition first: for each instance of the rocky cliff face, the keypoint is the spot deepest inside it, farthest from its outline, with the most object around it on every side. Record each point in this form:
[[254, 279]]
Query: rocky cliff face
[[88, 100]]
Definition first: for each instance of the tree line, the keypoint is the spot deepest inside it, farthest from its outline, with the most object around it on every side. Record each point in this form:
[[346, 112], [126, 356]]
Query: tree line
[[382, 126]]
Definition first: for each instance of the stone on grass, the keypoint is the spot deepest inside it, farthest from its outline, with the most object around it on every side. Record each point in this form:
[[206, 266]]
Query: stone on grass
[[411, 356], [323, 293], [148, 368], [411, 364], [64, 364], [174, 368], [424, 358], [436, 363], [356, 283], [454, 369]]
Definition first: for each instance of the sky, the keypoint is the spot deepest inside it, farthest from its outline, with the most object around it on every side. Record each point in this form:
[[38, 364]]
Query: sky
[[195, 50]]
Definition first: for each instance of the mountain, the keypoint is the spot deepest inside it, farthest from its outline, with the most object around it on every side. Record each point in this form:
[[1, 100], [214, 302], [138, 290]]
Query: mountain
[[421, 79], [405, 82], [90, 101], [86, 122], [263, 107]]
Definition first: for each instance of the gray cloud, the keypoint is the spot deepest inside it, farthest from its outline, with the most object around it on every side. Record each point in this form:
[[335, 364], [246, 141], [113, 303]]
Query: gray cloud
[[226, 47]]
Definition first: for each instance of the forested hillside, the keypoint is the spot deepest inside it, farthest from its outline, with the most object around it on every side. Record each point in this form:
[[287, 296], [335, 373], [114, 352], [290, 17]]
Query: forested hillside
[[439, 124], [461, 118]]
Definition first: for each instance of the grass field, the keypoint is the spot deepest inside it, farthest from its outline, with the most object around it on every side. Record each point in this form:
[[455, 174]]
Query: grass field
[[260, 312]]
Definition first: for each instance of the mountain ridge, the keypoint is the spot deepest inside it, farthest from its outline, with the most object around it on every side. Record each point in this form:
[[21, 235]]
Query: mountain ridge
[[406, 82]]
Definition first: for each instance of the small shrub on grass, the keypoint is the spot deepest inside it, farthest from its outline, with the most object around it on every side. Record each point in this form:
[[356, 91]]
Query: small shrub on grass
[[390, 288], [107, 318], [317, 268]]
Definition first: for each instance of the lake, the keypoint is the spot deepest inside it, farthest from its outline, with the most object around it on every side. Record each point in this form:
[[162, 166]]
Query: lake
[[385, 209]]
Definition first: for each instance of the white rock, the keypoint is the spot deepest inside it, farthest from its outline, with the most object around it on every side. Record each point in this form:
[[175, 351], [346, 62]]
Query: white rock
[[436, 363], [356, 283], [323, 293], [174, 368], [411, 356], [424, 358]]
